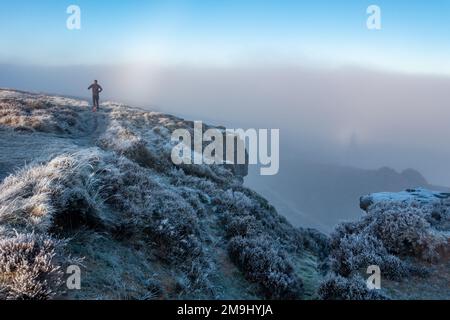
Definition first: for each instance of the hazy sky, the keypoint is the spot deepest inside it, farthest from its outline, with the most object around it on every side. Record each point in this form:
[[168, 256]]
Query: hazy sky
[[414, 35]]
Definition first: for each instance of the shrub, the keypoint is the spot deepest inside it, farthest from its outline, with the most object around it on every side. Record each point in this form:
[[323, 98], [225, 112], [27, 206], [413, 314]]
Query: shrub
[[336, 287], [355, 252], [266, 264], [404, 233], [386, 237]]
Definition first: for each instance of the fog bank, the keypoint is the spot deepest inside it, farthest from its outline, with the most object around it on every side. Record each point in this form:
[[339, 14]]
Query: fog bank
[[346, 116]]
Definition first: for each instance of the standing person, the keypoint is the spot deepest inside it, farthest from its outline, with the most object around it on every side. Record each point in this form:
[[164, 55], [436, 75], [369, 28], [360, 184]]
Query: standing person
[[96, 89]]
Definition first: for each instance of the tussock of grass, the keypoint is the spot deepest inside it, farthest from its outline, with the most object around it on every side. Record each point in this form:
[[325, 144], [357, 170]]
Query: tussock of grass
[[30, 114]]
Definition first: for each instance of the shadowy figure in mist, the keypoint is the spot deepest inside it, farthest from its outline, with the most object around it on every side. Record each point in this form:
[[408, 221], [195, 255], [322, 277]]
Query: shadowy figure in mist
[[96, 89]]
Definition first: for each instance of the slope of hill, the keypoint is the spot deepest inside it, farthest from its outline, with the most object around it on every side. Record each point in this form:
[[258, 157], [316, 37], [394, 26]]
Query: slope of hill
[[99, 191]]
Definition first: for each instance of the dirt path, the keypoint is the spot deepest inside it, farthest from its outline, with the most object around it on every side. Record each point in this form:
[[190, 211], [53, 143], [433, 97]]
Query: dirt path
[[97, 125]]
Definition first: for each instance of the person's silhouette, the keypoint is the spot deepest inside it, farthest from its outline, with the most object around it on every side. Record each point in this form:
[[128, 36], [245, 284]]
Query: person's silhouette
[[96, 89]]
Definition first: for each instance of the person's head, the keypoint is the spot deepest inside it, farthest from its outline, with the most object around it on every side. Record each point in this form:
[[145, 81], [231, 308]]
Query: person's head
[[95, 81]]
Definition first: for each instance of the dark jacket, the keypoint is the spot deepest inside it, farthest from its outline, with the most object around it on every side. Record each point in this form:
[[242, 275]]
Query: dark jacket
[[96, 89]]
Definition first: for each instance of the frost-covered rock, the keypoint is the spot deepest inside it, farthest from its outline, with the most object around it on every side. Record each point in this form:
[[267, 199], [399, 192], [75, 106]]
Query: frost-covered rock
[[406, 234], [422, 198], [432, 206]]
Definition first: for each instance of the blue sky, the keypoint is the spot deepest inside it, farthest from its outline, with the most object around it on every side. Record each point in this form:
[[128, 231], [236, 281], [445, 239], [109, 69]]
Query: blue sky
[[414, 35]]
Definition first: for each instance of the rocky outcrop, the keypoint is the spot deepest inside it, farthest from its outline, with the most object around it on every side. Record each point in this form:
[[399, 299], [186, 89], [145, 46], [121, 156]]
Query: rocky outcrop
[[405, 234], [419, 197]]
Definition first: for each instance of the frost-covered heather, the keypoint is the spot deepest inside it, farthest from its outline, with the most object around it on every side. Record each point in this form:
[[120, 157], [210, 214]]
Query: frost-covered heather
[[402, 233], [142, 227], [29, 267], [336, 287]]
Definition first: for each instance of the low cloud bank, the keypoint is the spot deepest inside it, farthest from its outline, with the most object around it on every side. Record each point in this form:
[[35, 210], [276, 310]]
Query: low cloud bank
[[345, 116]]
